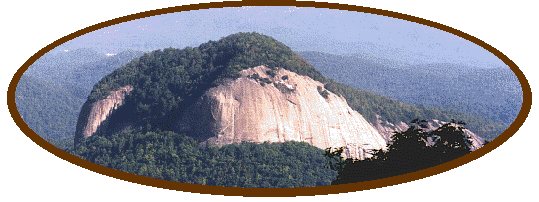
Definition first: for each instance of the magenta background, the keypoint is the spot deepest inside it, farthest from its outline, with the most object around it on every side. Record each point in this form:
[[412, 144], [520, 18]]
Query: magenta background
[[29, 172]]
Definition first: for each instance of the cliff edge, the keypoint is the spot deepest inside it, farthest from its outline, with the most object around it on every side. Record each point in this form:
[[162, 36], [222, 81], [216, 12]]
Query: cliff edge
[[277, 105]]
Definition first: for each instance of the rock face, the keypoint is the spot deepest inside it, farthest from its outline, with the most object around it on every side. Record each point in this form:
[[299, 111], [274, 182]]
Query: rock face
[[387, 129], [93, 114], [276, 106]]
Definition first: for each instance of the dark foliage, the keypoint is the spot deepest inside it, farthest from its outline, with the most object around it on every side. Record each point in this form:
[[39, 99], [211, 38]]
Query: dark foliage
[[409, 151], [283, 88], [271, 73], [323, 93]]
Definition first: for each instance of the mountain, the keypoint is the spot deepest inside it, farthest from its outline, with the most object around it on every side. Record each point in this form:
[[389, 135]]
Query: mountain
[[204, 108], [157, 92], [88, 70]]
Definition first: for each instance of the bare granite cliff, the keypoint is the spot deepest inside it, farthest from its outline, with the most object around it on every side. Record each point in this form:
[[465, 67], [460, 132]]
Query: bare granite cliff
[[277, 106], [93, 114], [387, 129]]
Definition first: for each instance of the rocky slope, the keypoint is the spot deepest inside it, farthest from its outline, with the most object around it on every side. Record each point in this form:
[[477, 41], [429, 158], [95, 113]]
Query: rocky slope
[[283, 107], [93, 114]]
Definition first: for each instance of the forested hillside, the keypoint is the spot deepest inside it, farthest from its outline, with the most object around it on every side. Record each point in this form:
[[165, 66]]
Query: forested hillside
[[50, 109], [175, 157]]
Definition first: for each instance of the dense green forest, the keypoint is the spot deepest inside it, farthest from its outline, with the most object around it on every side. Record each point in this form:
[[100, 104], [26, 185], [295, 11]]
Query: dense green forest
[[176, 157], [49, 109], [408, 151]]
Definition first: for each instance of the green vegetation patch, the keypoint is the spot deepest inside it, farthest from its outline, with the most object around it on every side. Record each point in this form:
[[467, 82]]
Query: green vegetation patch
[[323, 93], [283, 88], [257, 78]]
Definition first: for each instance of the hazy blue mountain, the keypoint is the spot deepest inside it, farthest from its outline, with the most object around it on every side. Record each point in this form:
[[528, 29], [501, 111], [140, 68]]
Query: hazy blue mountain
[[80, 67], [58, 66], [90, 73], [493, 93]]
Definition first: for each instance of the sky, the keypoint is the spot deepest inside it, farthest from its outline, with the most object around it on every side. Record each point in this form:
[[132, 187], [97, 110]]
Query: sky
[[334, 31]]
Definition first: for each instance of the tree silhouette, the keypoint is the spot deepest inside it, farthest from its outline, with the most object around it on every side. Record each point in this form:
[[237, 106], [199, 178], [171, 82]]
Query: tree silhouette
[[408, 151], [450, 142]]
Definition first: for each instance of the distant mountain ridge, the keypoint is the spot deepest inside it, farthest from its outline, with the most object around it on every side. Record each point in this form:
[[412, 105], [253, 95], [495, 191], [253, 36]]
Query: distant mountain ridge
[[491, 93]]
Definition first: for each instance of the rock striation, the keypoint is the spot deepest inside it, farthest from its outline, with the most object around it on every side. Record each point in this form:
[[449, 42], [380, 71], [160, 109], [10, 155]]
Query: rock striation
[[93, 114], [277, 106]]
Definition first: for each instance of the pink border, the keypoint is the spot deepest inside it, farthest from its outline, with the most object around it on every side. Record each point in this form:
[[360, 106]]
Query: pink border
[[30, 173]]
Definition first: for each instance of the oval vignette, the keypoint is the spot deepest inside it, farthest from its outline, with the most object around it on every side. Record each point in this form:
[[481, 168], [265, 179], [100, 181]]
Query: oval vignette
[[275, 192]]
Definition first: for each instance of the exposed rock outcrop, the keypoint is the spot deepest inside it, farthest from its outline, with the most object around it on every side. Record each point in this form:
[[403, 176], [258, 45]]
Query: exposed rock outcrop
[[277, 106], [387, 129], [93, 114]]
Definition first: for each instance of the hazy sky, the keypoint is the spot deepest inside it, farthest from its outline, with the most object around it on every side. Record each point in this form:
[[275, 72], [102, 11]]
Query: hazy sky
[[326, 30]]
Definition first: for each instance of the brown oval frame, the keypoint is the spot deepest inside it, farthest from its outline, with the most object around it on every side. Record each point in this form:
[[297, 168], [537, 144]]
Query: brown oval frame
[[279, 192]]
